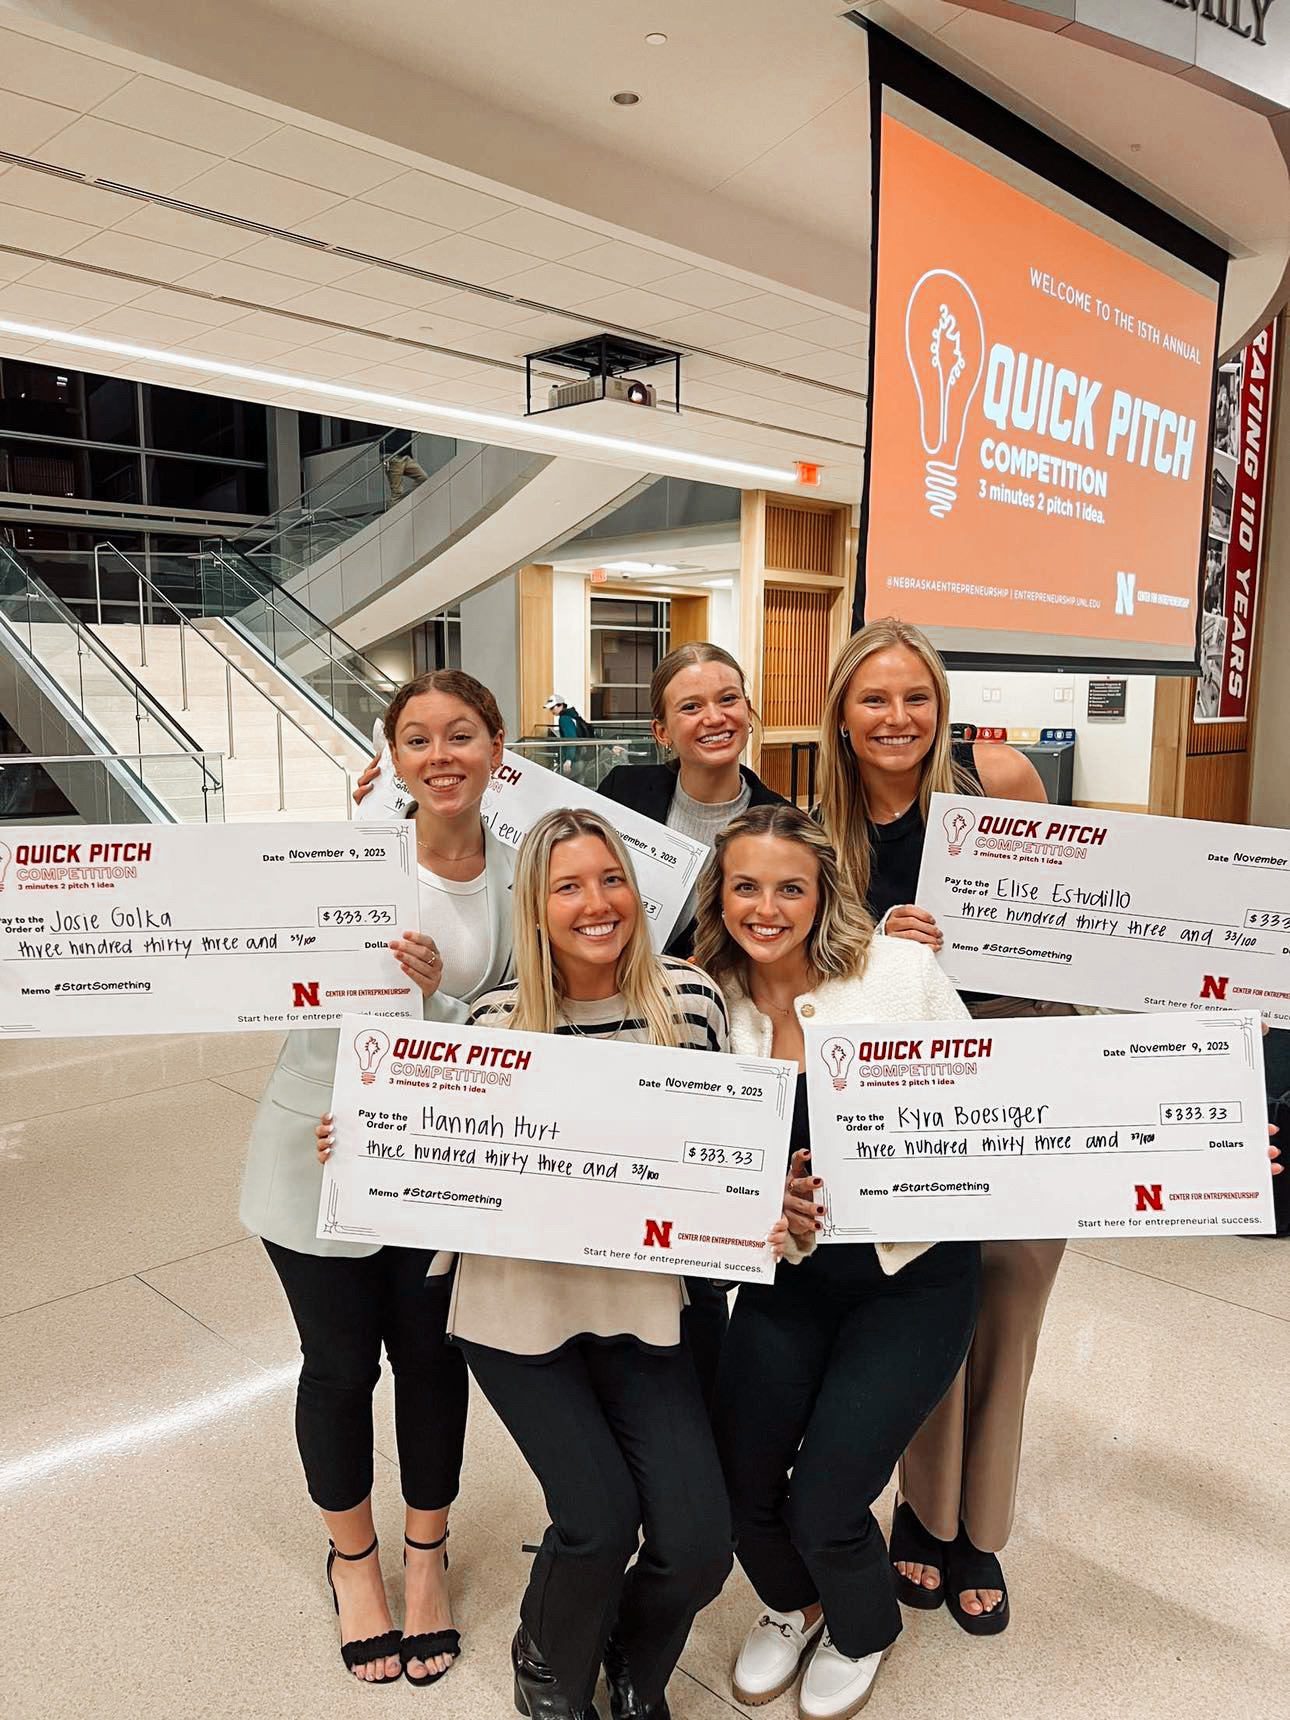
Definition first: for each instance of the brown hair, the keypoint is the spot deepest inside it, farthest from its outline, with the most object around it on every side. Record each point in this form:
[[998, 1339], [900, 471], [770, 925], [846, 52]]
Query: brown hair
[[838, 943], [457, 684], [844, 808], [689, 657]]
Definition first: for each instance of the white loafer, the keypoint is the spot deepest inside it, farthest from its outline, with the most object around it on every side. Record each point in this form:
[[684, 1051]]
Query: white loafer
[[835, 1687], [771, 1655]]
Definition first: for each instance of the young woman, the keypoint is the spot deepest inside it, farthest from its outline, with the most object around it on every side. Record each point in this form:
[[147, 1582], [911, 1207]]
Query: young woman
[[701, 712], [827, 1373], [699, 700], [584, 1364], [445, 733], [885, 749]]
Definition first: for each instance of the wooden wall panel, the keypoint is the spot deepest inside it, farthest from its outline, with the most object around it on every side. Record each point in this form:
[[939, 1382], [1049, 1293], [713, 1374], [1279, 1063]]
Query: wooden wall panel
[[1218, 787], [536, 596], [798, 539], [798, 639], [689, 620]]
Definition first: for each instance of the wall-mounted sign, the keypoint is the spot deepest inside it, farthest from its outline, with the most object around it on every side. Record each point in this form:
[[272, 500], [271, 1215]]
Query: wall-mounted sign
[[1107, 700], [1233, 548]]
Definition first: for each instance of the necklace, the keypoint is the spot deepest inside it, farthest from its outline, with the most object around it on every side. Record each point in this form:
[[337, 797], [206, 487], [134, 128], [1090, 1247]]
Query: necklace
[[775, 1008], [452, 859]]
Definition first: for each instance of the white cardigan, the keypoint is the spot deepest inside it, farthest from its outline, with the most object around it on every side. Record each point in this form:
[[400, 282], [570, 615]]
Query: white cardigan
[[901, 982]]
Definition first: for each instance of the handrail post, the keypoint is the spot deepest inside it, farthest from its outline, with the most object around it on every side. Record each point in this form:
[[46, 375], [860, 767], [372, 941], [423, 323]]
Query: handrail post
[[228, 700], [349, 796], [282, 790], [143, 643], [98, 588], [183, 665]]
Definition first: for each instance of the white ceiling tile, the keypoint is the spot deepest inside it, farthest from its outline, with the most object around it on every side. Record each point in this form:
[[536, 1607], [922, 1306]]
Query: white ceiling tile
[[429, 198], [32, 230], [111, 151], [633, 308], [335, 304], [131, 255], [829, 367], [50, 309], [315, 361], [527, 230], [244, 348], [358, 346], [304, 262], [396, 288], [286, 330], [552, 330], [149, 328], [704, 328], [83, 282], [188, 232], [27, 188], [180, 115], [630, 265], [769, 310], [316, 160], [768, 348], [438, 364], [465, 258], [229, 279], [834, 331], [179, 304], [550, 284], [36, 68], [377, 232], [464, 394], [393, 379], [478, 309], [26, 124], [702, 289], [255, 195], [16, 268], [431, 326]]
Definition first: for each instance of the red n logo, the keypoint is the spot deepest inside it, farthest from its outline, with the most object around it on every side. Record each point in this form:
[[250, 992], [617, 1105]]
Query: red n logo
[[1215, 987], [657, 1235], [1148, 1198], [304, 994]]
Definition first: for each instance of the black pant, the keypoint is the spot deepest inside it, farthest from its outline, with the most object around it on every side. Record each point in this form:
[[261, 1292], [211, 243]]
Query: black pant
[[828, 1373], [344, 1311], [704, 1323], [619, 1439]]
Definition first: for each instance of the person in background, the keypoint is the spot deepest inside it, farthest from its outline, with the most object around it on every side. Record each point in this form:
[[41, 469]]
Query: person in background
[[584, 1364], [827, 1373], [885, 748], [570, 724], [348, 1299], [400, 462]]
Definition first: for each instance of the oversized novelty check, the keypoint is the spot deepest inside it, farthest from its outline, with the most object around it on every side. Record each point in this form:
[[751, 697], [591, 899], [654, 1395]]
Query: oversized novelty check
[[1107, 1125], [520, 791], [557, 1148], [1111, 908], [201, 928]]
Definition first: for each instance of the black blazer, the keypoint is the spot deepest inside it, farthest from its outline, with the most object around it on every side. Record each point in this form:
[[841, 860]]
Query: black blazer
[[648, 789]]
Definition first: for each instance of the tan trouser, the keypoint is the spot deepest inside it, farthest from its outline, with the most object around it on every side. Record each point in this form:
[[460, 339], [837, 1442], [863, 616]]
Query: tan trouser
[[962, 1464], [398, 467]]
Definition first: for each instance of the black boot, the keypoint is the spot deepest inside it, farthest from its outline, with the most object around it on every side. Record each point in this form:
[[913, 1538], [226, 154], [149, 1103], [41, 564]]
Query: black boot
[[537, 1694], [624, 1703]]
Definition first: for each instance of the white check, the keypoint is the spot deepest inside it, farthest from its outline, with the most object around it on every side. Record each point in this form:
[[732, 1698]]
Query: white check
[[201, 928], [1112, 908], [1107, 1125], [518, 794], [546, 1147]]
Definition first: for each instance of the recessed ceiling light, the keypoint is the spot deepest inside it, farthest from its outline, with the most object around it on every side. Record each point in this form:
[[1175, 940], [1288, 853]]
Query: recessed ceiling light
[[398, 404], [656, 38], [626, 98]]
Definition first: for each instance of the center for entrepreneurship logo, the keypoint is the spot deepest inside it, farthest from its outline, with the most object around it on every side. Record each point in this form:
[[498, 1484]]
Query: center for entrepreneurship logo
[[945, 346]]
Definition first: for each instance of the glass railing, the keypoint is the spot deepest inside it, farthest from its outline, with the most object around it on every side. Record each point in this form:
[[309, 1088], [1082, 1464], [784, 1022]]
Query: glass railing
[[343, 502], [588, 761], [119, 716], [103, 787]]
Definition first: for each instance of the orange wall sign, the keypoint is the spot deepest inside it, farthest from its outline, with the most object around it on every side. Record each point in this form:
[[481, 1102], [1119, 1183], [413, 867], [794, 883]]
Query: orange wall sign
[[1041, 409]]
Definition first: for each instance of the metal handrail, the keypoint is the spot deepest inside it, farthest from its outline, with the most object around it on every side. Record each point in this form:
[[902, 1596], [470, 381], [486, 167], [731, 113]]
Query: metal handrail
[[305, 511], [107, 656], [185, 625], [211, 781]]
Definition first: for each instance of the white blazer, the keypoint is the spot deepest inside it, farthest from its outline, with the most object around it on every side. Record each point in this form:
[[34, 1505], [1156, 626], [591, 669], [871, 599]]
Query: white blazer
[[282, 1182], [901, 982]]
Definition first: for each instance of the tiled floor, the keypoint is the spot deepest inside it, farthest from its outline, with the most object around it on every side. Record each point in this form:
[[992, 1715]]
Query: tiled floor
[[160, 1557]]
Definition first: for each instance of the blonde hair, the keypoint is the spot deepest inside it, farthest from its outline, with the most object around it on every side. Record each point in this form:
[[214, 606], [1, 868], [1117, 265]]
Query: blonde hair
[[844, 806], [647, 992], [837, 945]]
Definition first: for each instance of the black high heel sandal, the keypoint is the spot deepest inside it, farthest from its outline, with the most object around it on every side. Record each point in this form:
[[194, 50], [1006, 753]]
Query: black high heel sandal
[[967, 1567], [428, 1643], [368, 1648], [912, 1544]]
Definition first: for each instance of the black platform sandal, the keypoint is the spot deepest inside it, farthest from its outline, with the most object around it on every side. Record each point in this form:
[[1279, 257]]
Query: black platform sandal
[[427, 1644], [369, 1648], [912, 1544], [967, 1567]]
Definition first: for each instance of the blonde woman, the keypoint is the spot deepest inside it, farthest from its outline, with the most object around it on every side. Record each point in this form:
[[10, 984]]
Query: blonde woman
[[585, 1364], [827, 1373], [885, 749]]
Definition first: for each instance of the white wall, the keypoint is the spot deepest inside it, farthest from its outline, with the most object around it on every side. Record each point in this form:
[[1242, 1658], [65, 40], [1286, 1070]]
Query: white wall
[[1112, 760], [723, 615], [490, 643], [569, 622]]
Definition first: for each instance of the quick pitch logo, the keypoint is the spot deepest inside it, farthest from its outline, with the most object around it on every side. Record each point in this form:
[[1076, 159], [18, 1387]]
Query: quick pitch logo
[[58, 863], [6, 855], [945, 346], [959, 824], [370, 1047]]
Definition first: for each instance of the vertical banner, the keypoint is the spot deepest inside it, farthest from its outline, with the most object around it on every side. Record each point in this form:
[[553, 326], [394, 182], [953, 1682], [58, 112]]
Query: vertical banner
[[1234, 546]]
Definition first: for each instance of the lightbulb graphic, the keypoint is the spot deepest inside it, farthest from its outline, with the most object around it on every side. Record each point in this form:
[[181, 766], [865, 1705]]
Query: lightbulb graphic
[[945, 346], [371, 1045], [837, 1055], [957, 821], [5, 857]]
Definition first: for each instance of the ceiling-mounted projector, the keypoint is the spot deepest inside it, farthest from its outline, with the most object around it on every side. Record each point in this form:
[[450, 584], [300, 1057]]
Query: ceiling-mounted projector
[[608, 381]]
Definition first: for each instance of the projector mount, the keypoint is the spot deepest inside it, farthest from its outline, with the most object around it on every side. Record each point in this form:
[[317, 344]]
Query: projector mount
[[604, 361]]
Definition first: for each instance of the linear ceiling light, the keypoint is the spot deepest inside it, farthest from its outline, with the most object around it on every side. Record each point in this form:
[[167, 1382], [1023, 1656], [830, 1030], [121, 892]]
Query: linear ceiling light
[[401, 403]]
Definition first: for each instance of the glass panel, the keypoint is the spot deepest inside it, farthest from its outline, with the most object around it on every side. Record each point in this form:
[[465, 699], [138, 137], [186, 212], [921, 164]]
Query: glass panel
[[111, 410], [79, 790]]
